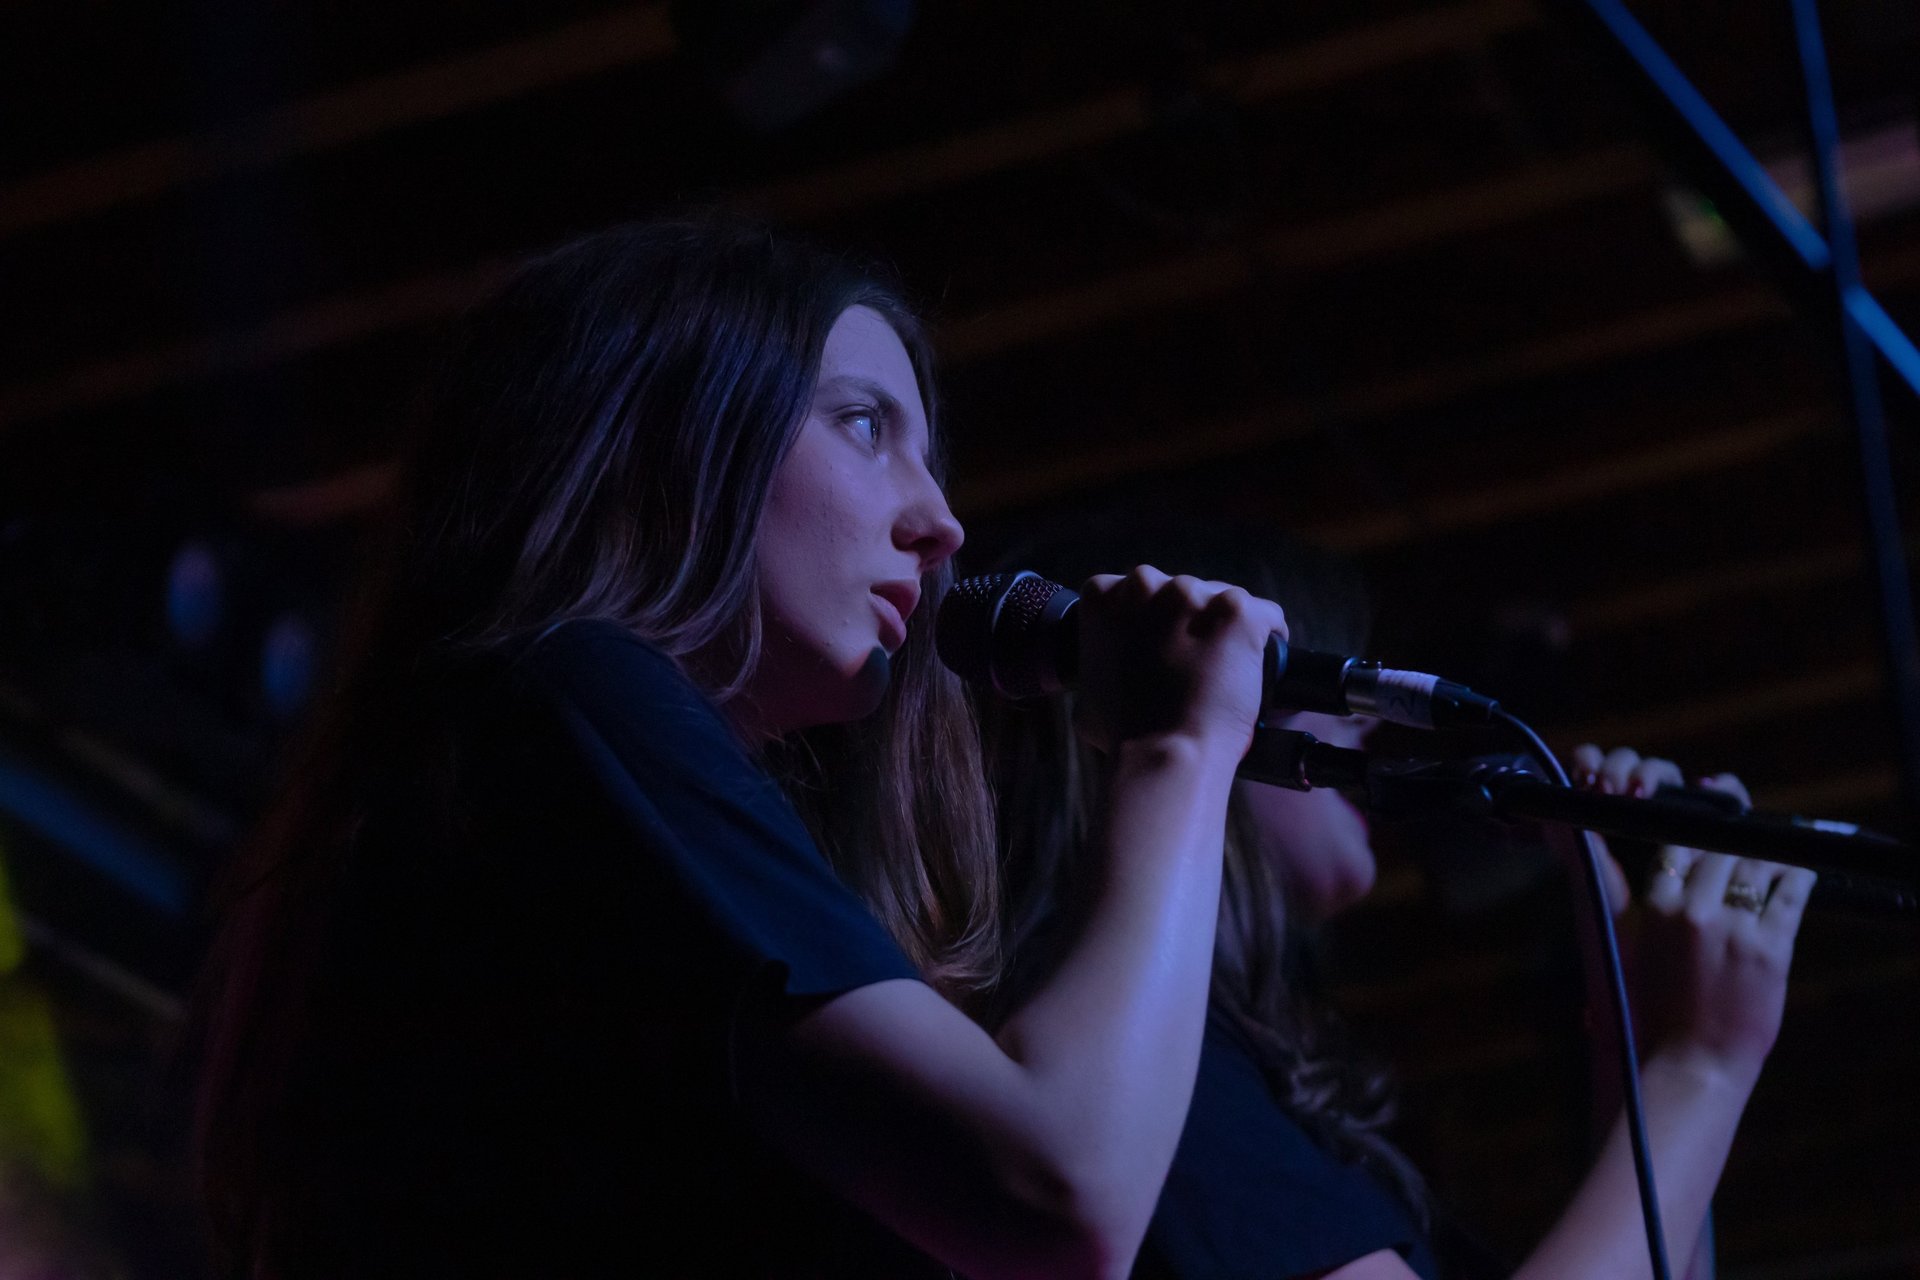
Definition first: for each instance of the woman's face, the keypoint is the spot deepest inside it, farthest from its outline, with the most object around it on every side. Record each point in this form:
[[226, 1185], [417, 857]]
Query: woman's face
[[1317, 840], [853, 521]]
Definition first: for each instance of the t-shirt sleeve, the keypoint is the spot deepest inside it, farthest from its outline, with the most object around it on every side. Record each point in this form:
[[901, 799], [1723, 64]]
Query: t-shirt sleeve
[[655, 810]]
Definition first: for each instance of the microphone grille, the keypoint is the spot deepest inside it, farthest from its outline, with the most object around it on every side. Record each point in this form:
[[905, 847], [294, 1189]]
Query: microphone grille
[[963, 629], [995, 629]]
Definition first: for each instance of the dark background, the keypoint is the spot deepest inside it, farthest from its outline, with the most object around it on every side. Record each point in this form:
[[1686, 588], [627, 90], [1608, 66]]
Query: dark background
[[1401, 277]]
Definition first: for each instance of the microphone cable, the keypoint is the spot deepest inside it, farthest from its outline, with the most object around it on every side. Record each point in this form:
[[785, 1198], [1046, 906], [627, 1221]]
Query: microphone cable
[[1629, 1056]]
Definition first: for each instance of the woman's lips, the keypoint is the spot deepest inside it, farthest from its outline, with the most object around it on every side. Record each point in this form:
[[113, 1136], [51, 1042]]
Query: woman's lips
[[893, 627]]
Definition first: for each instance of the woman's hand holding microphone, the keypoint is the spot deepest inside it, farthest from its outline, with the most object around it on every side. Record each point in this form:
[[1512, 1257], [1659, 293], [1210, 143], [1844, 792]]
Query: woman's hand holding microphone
[[1172, 658]]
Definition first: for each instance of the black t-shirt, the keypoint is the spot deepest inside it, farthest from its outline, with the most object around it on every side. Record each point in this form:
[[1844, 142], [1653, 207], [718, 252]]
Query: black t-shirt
[[1251, 1196], [519, 1059]]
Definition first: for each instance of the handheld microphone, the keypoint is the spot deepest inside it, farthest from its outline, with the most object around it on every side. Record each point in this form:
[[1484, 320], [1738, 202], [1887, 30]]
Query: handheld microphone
[[1017, 633]]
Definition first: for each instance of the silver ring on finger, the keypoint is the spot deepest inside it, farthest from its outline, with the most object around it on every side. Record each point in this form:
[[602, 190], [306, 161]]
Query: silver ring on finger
[[1745, 897]]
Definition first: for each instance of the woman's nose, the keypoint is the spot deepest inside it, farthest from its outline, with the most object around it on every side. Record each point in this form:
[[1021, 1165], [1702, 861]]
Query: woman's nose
[[927, 525]]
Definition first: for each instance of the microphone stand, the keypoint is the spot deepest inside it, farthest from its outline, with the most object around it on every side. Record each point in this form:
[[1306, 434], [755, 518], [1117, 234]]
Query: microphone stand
[[1818, 269], [1857, 868]]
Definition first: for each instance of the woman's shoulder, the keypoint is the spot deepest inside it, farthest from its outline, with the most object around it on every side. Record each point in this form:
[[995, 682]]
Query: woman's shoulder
[[576, 655], [596, 655], [601, 672], [591, 690]]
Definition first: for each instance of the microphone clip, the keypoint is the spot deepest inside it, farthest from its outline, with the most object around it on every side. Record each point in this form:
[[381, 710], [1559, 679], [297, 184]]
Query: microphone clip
[[1298, 761], [1858, 869]]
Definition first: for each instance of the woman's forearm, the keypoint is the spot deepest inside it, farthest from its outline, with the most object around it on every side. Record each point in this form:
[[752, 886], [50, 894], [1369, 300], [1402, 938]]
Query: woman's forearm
[[1693, 1105], [1112, 1040], [1039, 1151]]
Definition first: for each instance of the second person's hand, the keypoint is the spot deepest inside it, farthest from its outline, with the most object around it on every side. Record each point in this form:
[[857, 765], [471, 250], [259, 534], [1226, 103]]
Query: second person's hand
[[1716, 938]]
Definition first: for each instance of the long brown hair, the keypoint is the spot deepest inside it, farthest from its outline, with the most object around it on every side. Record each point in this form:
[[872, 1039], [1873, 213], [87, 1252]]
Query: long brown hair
[[600, 444], [1048, 785]]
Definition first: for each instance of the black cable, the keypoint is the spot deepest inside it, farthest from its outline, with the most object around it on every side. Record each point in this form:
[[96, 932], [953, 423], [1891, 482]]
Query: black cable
[[1617, 987]]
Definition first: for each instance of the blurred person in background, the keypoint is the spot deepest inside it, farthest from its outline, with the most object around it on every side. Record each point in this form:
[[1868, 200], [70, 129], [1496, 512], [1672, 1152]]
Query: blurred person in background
[[1285, 1168], [43, 1235]]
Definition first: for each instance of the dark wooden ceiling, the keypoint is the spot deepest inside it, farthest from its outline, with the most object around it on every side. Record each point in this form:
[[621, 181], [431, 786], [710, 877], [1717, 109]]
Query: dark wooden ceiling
[[1398, 275]]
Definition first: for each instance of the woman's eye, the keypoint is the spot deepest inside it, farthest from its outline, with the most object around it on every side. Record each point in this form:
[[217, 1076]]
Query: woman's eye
[[864, 422]]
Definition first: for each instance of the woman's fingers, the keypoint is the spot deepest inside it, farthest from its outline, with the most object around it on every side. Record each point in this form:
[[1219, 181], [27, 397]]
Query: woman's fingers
[[1142, 582], [1216, 604], [1681, 879], [1263, 616], [1706, 889], [1603, 771], [1586, 759], [1179, 654], [1730, 784], [1209, 601], [1787, 902], [1667, 883], [1171, 598], [1748, 886], [1616, 769], [1651, 774], [1175, 595], [1623, 771], [1721, 955]]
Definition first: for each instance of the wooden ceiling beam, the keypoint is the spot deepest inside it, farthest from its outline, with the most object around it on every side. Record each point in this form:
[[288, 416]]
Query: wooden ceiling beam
[[1043, 135], [1317, 247], [1679, 596], [1838, 686], [433, 90], [1296, 251], [1853, 791], [363, 488], [301, 331], [1588, 480], [641, 33], [1037, 480]]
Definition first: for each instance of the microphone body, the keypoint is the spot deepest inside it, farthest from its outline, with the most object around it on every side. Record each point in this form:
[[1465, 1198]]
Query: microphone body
[[1018, 634]]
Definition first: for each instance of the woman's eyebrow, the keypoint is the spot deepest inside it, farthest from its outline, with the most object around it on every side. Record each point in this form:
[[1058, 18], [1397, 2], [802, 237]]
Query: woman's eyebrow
[[882, 398]]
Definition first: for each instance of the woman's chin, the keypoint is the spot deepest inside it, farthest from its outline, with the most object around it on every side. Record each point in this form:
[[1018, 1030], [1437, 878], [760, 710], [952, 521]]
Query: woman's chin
[[857, 687], [795, 689], [1353, 893], [1335, 889], [870, 683]]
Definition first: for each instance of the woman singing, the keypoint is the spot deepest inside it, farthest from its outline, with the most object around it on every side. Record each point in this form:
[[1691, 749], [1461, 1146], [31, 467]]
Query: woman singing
[[626, 913]]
